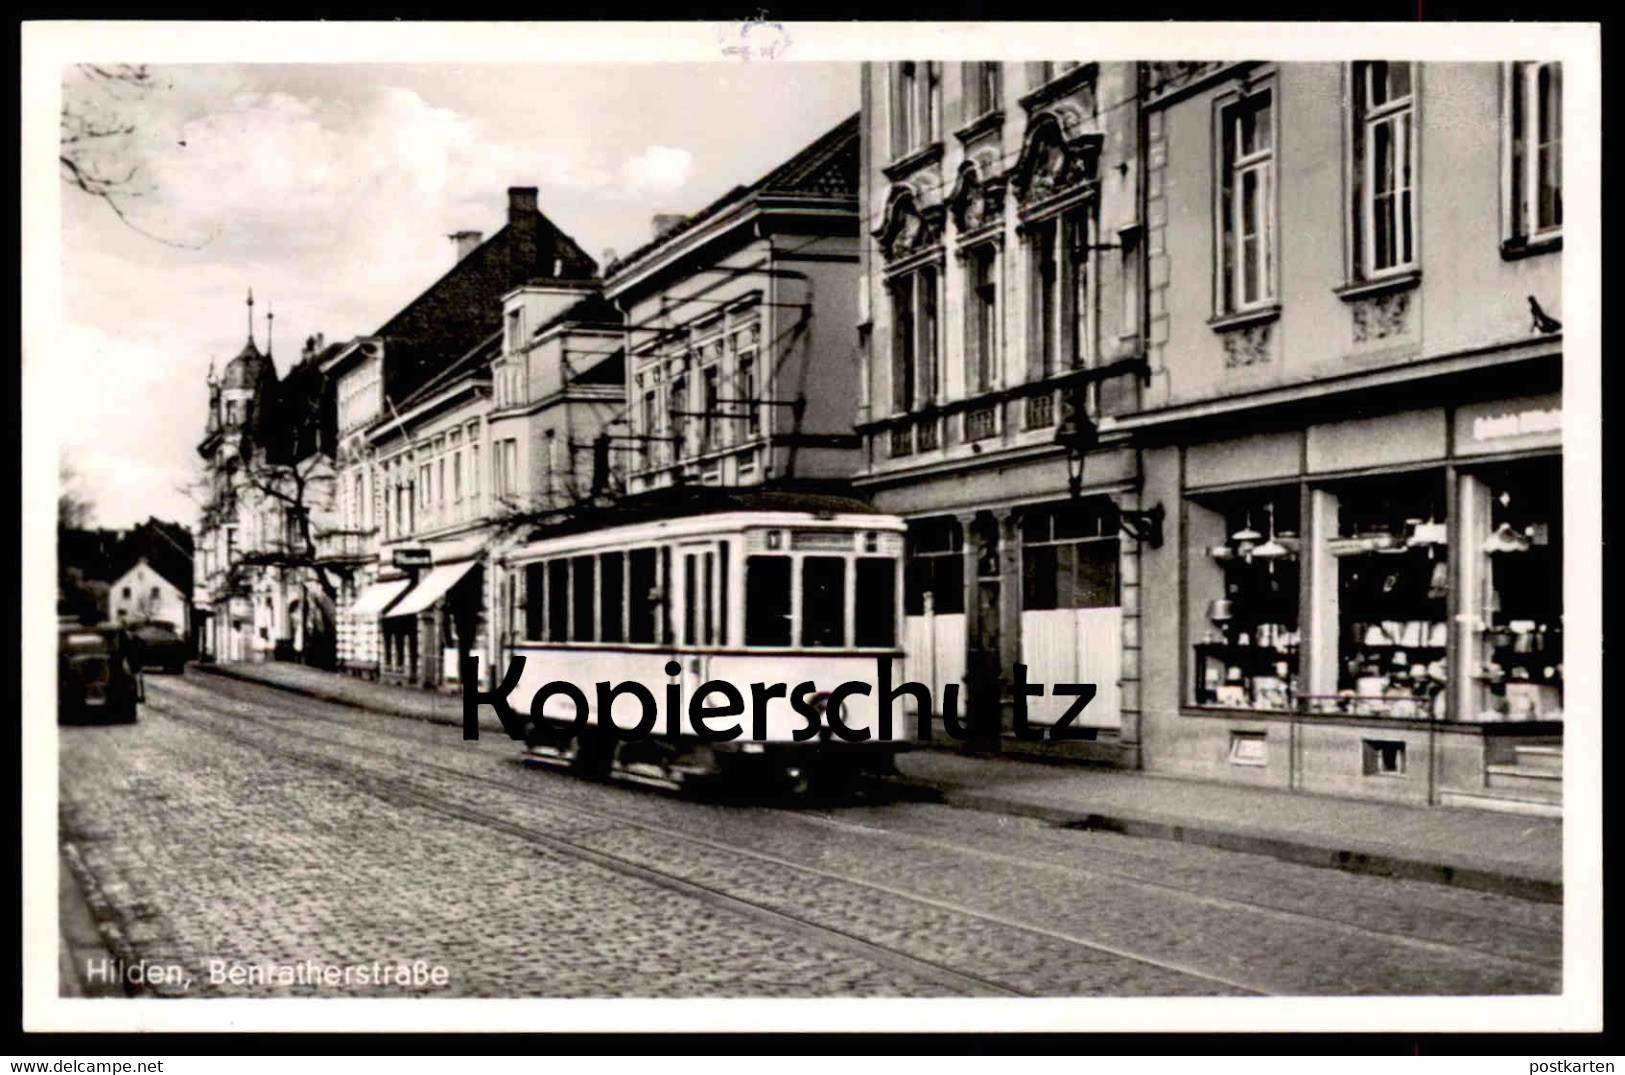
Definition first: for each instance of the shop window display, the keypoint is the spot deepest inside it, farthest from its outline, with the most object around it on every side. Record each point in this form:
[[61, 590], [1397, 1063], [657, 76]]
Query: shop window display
[[1517, 673], [1393, 580], [1244, 585]]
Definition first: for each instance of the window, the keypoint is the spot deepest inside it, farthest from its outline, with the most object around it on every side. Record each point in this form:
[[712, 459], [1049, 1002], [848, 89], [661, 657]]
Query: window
[[767, 601], [535, 600], [1393, 579], [582, 573], [611, 584], [823, 601], [1534, 156], [981, 89], [558, 609], [515, 328], [1069, 557], [916, 106], [747, 392], [1513, 542], [935, 557], [678, 420], [1246, 210], [914, 338], [1243, 598], [1062, 325], [1383, 168], [1050, 70], [643, 595], [709, 397], [1384, 757], [982, 306], [875, 601]]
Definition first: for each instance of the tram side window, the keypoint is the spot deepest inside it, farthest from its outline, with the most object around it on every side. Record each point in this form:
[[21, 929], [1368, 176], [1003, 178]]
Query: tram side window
[[581, 626], [558, 609], [875, 597], [823, 601], [642, 596], [767, 601], [535, 591], [611, 575]]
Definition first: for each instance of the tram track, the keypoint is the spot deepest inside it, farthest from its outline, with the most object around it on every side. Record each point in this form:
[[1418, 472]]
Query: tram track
[[604, 815], [958, 980]]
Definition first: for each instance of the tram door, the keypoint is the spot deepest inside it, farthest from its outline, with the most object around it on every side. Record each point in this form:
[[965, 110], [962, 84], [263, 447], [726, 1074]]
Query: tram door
[[702, 607]]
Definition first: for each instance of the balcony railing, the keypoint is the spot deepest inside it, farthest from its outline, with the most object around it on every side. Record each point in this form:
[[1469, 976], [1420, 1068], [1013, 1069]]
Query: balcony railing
[[339, 546]]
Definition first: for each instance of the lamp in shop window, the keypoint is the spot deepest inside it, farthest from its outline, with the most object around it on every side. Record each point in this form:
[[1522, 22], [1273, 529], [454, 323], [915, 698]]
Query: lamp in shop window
[[1246, 539]]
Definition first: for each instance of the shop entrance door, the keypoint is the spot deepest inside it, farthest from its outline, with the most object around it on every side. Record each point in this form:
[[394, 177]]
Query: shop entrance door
[[984, 666]]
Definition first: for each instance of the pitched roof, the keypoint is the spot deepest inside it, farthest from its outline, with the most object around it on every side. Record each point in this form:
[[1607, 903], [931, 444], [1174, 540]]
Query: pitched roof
[[827, 168]]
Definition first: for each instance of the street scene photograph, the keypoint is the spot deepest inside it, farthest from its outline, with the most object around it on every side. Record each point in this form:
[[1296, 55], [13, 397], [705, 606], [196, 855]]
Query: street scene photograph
[[767, 521]]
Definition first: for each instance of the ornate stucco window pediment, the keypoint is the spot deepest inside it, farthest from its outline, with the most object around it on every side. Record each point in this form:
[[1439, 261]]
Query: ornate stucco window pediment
[[976, 204], [1053, 161], [909, 227]]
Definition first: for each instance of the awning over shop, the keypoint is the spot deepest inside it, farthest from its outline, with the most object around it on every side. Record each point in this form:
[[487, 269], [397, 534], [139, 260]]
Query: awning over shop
[[375, 598], [432, 587]]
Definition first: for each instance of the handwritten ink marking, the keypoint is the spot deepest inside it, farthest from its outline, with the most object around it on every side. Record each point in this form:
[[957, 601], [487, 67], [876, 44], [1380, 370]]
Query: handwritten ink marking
[[754, 38]]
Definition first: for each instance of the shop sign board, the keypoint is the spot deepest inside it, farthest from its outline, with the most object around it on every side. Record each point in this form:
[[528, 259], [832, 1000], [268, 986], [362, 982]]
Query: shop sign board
[[1506, 425], [412, 557]]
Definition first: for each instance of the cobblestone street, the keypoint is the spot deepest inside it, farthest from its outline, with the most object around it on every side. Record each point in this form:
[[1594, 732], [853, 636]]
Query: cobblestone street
[[235, 825]]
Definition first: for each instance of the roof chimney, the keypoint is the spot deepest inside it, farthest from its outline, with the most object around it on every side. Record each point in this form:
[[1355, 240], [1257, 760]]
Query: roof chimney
[[521, 203], [467, 242], [666, 223]]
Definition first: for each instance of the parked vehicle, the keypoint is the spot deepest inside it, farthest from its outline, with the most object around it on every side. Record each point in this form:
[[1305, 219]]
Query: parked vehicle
[[157, 644], [96, 679]]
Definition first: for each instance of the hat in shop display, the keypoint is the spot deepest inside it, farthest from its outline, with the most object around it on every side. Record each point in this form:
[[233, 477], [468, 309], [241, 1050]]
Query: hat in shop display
[[1506, 539]]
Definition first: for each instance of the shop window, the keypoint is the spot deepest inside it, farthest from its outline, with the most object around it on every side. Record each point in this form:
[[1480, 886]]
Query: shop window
[[1244, 599], [875, 601], [1517, 557], [767, 601], [1069, 557], [582, 572], [935, 567], [1384, 757], [611, 583], [1393, 577], [643, 595]]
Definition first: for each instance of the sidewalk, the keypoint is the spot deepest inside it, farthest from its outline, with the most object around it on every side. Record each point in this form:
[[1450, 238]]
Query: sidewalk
[[1512, 854]]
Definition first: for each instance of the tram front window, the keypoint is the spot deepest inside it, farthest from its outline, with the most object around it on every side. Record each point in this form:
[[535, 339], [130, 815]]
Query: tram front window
[[767, 601], [823, 601]]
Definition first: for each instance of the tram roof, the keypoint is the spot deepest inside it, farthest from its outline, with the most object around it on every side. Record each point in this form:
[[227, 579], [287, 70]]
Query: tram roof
[[679, 502]]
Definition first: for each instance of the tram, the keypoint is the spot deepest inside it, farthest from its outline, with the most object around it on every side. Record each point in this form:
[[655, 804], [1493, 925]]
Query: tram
[[752, 588]]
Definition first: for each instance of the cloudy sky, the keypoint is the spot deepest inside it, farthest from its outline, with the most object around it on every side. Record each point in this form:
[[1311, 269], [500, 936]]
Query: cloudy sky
[[331, 190]]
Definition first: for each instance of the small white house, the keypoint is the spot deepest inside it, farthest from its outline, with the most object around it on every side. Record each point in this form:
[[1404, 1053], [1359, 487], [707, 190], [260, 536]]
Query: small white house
[[142, 594]]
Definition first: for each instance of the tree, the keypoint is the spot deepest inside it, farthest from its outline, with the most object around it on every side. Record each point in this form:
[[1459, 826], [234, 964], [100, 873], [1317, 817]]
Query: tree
[[96, 154]]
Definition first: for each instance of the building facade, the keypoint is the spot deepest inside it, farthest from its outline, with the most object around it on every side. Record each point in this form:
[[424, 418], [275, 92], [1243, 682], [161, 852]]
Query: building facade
[[1000, 322], [1354, 419], [739, 349], [423, 490]]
